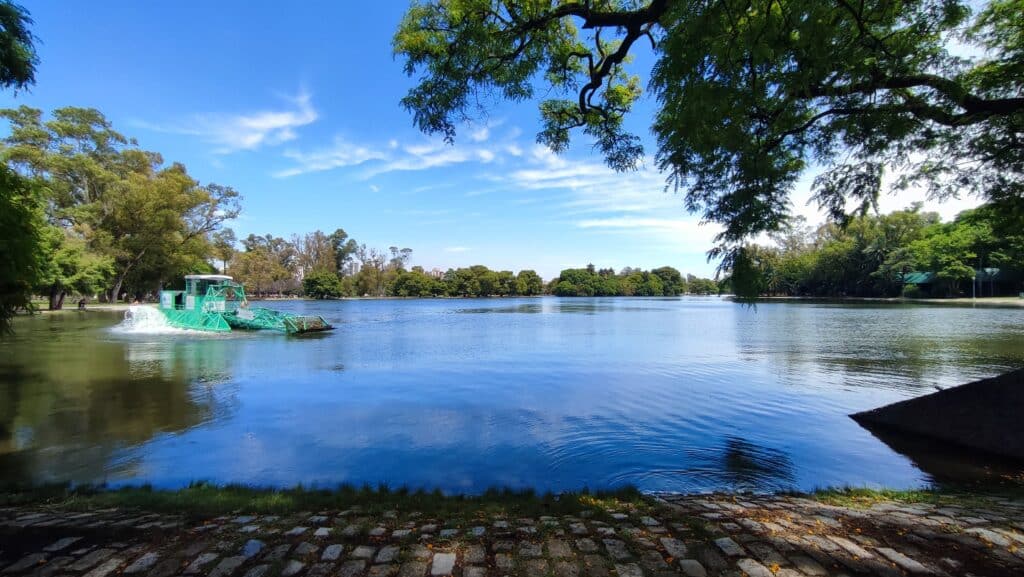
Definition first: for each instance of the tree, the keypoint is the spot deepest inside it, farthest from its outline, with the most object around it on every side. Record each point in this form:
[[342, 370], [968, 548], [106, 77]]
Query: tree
[[322, 284], [68, 266], [224, 242], [259, 270], [21, 215], [750, 93], [344, 250], [18, 57], [22, 230], [529, 283], [152, 220], [671, 280]]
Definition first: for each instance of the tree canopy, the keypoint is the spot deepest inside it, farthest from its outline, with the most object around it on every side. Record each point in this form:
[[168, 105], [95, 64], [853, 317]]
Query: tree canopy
[[750, 93], [117, 218], [21, 216]]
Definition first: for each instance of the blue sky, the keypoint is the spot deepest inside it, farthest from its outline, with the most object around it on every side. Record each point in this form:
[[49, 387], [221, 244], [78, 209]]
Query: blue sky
[[297, 107]]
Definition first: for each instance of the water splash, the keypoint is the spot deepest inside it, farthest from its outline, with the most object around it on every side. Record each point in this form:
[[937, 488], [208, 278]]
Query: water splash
[[144, 319]]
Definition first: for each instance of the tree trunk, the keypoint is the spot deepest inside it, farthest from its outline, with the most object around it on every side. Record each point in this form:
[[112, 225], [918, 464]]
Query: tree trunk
[[116, 291], [56, 297]]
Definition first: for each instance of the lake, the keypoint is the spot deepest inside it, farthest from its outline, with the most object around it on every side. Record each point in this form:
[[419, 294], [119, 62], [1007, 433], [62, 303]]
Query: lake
[[666, 394]]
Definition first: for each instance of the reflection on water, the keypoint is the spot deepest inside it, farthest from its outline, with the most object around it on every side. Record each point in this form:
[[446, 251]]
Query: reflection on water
[[666, 394], [951, 465]]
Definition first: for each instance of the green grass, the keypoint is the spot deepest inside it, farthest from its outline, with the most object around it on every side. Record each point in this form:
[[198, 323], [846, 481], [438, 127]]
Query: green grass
[[204, 499], [859, 497]]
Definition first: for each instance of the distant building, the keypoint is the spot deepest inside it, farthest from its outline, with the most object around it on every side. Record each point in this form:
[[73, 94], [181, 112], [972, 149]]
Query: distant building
[[436, 273]]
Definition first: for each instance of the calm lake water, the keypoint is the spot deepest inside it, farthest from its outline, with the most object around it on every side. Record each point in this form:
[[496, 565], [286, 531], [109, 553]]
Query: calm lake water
[[686, 394]]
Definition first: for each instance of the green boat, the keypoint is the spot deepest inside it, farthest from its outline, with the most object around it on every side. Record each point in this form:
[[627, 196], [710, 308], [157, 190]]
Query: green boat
[[214, 302]]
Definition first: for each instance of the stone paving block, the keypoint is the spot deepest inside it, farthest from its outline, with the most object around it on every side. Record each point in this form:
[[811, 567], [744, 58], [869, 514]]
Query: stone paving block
[[351, 568], [617, 549], [106, 568], [305, 548], [387, 554], [296, 531], [448, 533], [586, 545], [25, 562], [278, 553], [503, 561], [558, 549], [851, 547], [398, 534], [413, 569], [320, 570], [906, 563], [143, 563], [61, 544], [332, 552], [566, 569], [474, 555], [363, 552], [377, 532], [199, 562], [443, 564], [536, 568], [653, 561], [251, 548], [228, 566], [578, 529], [691, 568], [474, 572], [54, 566], [478, 531], [989, 536], [382, 571], [595, 566], [674, 547], [821, 543], [350, 530], [92, 559], [532, 550], [766, 554], [753, 569], [629, 570], [710, 558], [729, 547], [808, 566], [292, 568], [249, 529], [322, 532], [501, 546], [420, 552]]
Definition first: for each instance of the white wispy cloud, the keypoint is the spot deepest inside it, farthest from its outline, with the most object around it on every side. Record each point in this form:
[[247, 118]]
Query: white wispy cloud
[[480, 135], [391, 157], [236, 132], [456, 249], [340, 154]]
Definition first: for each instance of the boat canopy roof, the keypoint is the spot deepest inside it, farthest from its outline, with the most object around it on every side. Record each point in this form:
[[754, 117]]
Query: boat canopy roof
[[207, 277]]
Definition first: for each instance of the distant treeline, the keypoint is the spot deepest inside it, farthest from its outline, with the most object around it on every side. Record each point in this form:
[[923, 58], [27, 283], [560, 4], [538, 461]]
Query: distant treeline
[[664, 281], [321, 265], [906, 252]]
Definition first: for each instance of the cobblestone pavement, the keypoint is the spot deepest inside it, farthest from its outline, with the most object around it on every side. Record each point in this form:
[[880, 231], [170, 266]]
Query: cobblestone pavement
[[758, 536]]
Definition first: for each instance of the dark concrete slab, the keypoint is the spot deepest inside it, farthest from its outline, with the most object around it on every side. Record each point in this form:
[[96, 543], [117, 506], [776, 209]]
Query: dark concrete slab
[[986, 415]]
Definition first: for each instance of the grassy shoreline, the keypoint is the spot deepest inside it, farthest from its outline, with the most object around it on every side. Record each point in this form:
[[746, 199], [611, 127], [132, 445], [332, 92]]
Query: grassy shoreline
[[204, 499]]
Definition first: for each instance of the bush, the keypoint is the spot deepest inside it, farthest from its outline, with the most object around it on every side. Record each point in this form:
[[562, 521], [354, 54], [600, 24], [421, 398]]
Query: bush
[[322, 285], [912, 291]]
